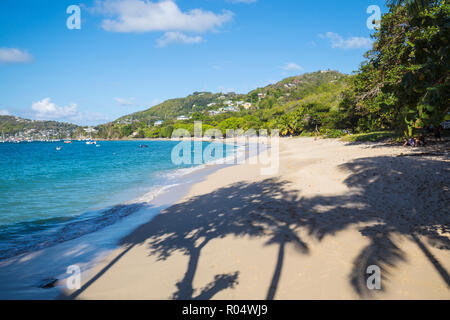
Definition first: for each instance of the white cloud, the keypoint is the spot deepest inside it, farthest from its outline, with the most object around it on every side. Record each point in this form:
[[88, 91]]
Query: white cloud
[[338, 41], [291, 66], [13, 55], [165, 15], [45, 109], [125, 102], [177, 37], [4, 112]]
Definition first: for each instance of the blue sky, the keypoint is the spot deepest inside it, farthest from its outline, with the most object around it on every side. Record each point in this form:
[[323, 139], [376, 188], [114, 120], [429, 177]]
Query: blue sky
[[131, 54]]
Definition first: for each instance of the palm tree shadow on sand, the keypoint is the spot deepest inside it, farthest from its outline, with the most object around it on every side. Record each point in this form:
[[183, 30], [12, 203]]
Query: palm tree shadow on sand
[[269, 209], [236, 210]]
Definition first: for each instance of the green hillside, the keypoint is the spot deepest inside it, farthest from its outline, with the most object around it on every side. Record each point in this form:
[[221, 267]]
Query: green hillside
[[264, 107], [24, 128], [197, 102]]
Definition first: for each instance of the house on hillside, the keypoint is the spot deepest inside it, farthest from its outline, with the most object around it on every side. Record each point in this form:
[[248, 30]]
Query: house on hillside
[[158, 123], [215, 112], [183, 118], [90, 130], [231, 109], [247, 105]]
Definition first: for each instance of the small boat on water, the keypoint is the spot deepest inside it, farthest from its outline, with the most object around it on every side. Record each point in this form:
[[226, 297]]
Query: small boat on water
[[68, 142], [143, 146], [91, 142], [58, 148]]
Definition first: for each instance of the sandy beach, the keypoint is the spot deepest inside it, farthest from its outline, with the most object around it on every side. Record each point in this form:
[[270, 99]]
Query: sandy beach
[[308, 232]]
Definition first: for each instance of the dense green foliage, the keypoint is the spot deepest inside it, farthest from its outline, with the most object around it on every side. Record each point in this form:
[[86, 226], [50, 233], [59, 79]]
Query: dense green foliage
[[404, 84]]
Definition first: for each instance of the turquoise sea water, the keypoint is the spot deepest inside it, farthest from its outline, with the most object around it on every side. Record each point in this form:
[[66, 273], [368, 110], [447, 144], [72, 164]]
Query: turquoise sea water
[[49, 196]]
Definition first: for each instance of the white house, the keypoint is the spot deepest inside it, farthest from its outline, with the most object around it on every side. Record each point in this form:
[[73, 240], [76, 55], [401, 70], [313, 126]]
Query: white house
[[90, 130], [158, 123], [183, 118]]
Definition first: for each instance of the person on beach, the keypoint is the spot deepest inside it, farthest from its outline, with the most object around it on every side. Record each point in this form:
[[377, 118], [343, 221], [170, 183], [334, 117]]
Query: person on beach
[[410, 142], [421, 140], [437, 133]]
